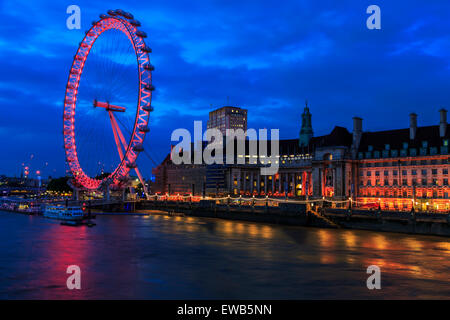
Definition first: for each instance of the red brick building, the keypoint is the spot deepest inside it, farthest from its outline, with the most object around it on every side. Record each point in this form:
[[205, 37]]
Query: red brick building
[[406, 167]]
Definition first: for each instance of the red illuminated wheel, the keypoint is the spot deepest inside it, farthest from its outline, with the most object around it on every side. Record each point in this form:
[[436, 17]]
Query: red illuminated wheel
[[107, 102]]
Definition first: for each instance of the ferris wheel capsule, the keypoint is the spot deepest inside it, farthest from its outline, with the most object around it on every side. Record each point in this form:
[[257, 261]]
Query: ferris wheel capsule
[[148, 108], [147, 49], [138, 148], [144, 129], [149, 87], [119, 12], [149, 67], [135, 23], [111, 12], [128, 15], [141, 34], [103, 16]]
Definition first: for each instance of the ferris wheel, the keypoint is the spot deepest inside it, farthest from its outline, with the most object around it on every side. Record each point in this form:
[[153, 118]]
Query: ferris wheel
[[108, 103]]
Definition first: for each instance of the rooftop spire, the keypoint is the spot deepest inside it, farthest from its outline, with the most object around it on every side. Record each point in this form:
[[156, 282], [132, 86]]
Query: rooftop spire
[[306, 131]]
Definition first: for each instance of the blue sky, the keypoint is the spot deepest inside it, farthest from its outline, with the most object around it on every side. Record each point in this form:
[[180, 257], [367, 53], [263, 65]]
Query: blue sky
[[266, 56]]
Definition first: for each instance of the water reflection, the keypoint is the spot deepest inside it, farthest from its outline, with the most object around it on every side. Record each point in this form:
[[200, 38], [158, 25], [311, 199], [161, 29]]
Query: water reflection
[[185, 257], [350, 238], [326, 238]]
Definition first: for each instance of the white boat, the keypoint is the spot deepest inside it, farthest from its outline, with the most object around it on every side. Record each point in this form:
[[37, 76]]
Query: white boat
[[63, 213]]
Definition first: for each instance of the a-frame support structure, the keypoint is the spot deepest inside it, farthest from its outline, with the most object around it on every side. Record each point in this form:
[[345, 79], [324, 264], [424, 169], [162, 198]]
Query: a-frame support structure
[[118, 135]]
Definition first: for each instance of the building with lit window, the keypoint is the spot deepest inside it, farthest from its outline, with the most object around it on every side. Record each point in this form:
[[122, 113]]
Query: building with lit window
[[394, 169], [228, 118], [403, 168]]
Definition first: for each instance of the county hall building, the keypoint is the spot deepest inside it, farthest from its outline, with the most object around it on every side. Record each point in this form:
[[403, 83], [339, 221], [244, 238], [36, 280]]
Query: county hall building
[[393, 169]]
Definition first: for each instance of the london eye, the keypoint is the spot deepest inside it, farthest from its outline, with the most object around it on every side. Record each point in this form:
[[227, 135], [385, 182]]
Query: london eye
[[107, 103]]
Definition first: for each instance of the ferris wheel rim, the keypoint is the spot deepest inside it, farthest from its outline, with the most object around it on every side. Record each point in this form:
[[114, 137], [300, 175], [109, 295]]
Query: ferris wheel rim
[[130, 29]]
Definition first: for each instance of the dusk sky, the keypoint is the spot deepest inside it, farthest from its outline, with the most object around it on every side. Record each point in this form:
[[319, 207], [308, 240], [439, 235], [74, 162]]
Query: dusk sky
[[266, 56]]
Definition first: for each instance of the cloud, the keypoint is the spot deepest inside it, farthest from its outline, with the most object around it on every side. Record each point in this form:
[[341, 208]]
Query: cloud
[[267, 57]]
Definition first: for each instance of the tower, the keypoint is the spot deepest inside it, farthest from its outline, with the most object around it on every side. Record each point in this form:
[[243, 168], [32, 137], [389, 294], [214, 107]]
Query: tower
[[228, 117], [306, 131]]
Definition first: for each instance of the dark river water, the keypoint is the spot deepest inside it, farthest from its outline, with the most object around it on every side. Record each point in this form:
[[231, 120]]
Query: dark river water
[[159, 257]]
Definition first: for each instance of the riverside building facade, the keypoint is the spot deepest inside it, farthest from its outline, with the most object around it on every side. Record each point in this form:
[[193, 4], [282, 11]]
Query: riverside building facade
[[393, 169], [406, 167]]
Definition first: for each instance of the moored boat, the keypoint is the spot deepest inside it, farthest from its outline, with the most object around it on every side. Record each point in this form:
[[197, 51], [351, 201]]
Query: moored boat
[[63, 213], [20, 205]]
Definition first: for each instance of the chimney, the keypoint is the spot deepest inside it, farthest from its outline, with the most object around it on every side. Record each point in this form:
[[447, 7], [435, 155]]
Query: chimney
[[412, 126], [357, 131], [443, 123]]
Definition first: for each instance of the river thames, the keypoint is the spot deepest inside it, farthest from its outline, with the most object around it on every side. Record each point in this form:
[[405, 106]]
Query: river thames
[[160, 257]]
